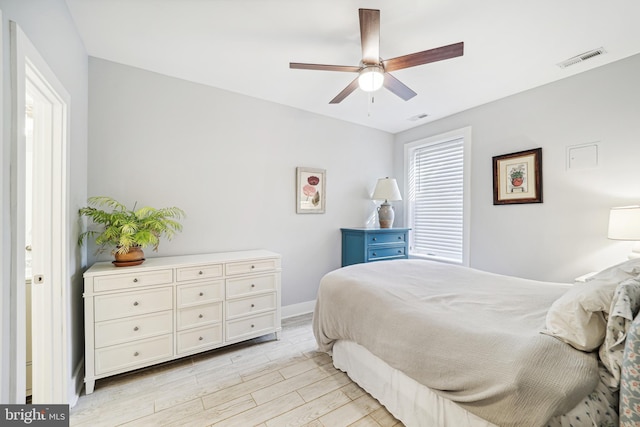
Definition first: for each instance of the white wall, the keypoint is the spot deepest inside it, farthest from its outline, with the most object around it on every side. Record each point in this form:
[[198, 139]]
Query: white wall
[[229, 161], [565, 236], [48, 24]]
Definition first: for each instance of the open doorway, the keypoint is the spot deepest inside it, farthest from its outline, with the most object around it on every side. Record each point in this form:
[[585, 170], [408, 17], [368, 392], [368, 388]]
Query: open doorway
[[39, 222]]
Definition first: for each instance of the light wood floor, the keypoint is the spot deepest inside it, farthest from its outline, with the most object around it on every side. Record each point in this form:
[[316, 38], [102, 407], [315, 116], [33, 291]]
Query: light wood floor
[[263, 382]]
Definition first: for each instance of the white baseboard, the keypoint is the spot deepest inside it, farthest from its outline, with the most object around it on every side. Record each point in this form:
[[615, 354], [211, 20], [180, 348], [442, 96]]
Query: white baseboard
[[76, 384], [293, 310]]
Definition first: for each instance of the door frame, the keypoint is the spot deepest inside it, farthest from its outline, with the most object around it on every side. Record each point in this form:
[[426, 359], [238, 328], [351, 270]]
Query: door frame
[[50, 304]]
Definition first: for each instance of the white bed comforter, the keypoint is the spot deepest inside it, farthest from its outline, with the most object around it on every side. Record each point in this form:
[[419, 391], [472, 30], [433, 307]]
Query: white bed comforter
[[471, 336]]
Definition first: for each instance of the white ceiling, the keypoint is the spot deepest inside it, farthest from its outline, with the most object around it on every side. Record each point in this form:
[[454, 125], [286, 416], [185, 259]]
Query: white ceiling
[[245, 46]]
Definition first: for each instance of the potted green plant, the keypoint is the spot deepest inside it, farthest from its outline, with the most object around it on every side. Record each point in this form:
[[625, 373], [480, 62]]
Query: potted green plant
[[517, 176], [128, 231]]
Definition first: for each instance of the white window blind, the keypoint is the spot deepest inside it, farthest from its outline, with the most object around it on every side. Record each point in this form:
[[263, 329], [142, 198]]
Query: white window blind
[[436, 198]]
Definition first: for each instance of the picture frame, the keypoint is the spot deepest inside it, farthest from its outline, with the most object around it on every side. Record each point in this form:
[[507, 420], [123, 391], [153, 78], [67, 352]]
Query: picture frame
[[517, 177], [311, 190]]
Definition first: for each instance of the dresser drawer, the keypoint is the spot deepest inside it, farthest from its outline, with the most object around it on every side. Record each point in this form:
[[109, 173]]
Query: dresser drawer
[[125, 304], [195, 339], [246, 286], [379, 238], [135, 354], [199, 315], [207, 271], [199, 293], [244, 306], [130, 280], [386, 252], [128, 329], [251, 326], [254, 266]]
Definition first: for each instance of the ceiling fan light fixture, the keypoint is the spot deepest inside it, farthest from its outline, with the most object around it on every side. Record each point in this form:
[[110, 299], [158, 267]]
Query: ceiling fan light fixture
[[371, 78]]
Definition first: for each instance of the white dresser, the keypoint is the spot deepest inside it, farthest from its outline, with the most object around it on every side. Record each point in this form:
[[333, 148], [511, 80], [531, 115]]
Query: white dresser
[[172, 307]]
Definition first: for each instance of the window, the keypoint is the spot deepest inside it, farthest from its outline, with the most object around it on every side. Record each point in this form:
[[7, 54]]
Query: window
[[437, 171]]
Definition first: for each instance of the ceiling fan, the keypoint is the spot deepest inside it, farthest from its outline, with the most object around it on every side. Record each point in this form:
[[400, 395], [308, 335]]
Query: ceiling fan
[[373, 71]]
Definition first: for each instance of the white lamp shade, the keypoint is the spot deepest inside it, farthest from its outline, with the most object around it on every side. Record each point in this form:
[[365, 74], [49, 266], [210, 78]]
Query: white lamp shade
[[371, 79], [387, 189], [624, 223]]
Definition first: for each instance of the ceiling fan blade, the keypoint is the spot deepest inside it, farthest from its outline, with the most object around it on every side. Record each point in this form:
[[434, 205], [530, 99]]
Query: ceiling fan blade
[[345, 92], [322, 67], [370, 35], [397, 87], [424, 57]]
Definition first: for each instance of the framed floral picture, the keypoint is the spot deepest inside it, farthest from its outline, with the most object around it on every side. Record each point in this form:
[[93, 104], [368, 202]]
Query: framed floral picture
[[517, 177], [311, 191]]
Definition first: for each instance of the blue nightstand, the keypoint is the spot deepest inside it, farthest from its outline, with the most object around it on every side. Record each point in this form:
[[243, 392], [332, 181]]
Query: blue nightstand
[[374, 244]]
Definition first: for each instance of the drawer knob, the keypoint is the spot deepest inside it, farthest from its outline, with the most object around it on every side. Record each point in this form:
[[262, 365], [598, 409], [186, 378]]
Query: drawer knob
[[200, 273], [136, 328], [253, 285], [136, 354], [136, 303], [201, 294], [200, 339], [375, 239], [253, 305], [375, 254], [253, 326], [399, 251], [253, 266], [135, 280], [399, 237], [200, 316]]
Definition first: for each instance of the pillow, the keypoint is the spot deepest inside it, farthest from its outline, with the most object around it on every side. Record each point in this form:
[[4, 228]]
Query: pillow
[[619, 272], [578, 316], [624, 308], [630, 378]]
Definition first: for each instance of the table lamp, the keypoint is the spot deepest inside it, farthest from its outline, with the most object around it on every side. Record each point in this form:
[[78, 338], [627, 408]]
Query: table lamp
[[387, 190], [624, 224]]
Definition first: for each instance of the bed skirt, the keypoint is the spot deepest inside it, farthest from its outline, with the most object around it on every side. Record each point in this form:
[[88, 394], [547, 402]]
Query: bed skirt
[[410, 402]]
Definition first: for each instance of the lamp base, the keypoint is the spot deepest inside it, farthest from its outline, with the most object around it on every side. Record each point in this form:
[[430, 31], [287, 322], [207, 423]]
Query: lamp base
[[386, 215], [635, 251]]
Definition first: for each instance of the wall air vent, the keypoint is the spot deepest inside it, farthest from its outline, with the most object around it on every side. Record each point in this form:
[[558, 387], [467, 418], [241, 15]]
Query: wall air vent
[[582, 57]]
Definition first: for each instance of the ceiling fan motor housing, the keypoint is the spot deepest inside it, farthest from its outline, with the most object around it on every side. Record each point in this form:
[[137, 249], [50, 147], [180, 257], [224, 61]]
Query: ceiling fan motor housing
[[371, 78]]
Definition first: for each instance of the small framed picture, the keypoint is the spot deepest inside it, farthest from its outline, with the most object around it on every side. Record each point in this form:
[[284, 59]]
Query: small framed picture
[[517, 177], [311, 190]]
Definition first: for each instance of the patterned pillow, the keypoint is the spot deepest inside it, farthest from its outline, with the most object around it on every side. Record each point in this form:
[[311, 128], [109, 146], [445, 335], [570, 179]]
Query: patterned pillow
[[624, 308], [630, 378]]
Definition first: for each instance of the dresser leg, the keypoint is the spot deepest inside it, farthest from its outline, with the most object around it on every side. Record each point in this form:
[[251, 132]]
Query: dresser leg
[[89, 386], [278, 335]]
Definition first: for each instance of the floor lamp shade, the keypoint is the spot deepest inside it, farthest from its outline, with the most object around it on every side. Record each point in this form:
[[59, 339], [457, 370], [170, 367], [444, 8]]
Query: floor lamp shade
[[387, 190], [624, 224]]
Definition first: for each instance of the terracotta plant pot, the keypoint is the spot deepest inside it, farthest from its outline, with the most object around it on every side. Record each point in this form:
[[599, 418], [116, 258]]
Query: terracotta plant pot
[[135, 256], [517, 182]]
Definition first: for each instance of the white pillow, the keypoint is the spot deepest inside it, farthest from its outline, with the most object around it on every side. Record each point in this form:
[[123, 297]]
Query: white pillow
[[619, 272], [579, 317]]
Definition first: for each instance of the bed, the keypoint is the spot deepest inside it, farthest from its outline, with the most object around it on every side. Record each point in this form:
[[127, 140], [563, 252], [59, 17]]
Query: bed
[[450, 346]]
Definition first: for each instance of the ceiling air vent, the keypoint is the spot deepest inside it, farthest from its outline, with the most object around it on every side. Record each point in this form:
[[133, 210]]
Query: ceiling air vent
[[418, 117], [582, 57]]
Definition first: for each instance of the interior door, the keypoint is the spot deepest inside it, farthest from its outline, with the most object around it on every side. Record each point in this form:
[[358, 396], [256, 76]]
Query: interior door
[[32, 78]]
